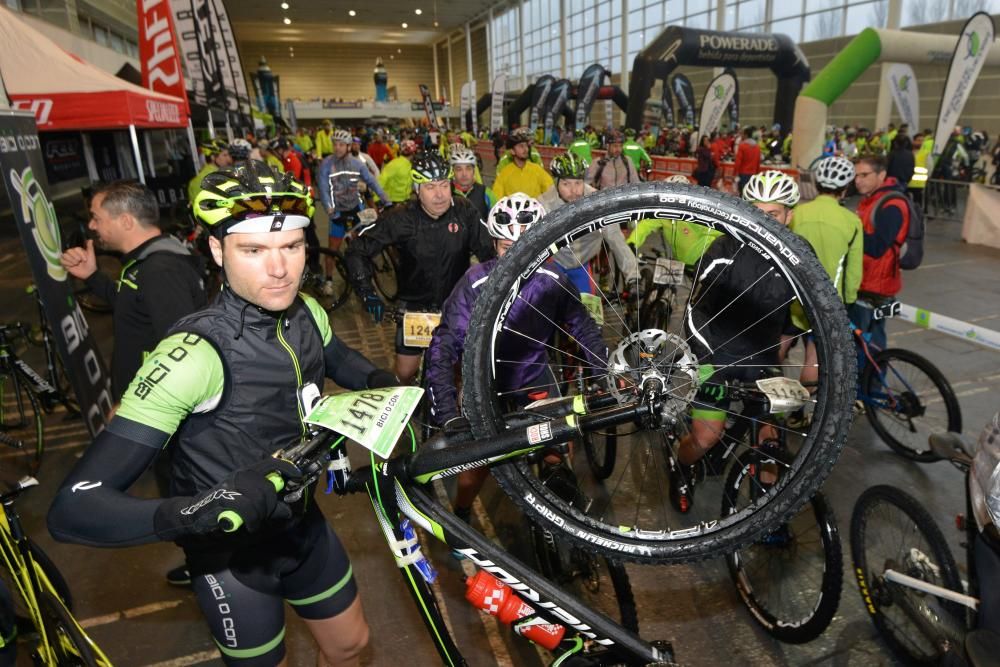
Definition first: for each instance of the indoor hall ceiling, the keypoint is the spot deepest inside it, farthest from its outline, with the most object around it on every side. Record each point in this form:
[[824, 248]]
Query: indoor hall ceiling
[[374, 22]]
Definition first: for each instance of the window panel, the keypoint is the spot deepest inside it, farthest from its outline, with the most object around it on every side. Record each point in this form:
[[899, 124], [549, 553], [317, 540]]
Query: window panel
[[871, 14], [603, 12], [653, 16], [791, 27], [750, 13], [824, 25], [919, 12], [674, 12], [698, 21], [694, 6], [785, 9]]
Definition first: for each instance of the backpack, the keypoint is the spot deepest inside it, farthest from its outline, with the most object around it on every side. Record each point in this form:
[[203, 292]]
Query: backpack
[[911, 251]]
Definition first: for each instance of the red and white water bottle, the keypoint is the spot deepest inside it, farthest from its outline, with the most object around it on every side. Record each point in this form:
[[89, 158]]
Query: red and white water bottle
[[496, 598]]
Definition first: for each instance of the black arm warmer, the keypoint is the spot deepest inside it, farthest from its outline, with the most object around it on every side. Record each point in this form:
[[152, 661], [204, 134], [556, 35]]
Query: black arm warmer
[[346, 366]]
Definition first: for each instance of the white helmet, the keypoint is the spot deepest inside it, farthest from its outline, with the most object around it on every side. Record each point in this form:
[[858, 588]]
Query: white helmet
[[342, 137], [772, 187], [461, 155], [678, 178], [834, 173], [512, 216]]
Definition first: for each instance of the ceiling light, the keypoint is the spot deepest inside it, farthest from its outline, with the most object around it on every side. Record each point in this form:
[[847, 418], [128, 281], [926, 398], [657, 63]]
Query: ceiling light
[[288, 21], [399, 50], [406, 25], [352, 13], [435, 24], [284, 5], [418, 12]]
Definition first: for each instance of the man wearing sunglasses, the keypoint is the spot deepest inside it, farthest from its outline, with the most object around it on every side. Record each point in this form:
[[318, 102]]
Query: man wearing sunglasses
[[231, 384]]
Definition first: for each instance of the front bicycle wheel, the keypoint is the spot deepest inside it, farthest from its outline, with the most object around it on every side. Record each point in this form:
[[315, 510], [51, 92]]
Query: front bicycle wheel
[[384, 274], [908, 400], [790, 580], [891, 530], [22, 426], [634, 517], [67, 642], [326, 278]]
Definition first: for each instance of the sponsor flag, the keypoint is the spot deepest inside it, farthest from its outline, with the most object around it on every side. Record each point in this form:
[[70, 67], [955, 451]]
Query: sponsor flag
[[973, 46], [474, 107], [586, 92], [425, 93], [463, 105], [734, 104], [158, 54], [717, 98], [23, 171], [543, 86], [903, 84], [684, 92], [498, 92], [667, 105]]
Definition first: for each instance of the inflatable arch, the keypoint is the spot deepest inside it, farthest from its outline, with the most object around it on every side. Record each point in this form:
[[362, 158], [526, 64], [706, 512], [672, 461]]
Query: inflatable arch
[[871, 46], [678, 46]]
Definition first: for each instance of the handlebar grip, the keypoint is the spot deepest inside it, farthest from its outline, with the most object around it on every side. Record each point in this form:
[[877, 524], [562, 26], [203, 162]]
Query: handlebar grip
[[229, 521], [276, 480]]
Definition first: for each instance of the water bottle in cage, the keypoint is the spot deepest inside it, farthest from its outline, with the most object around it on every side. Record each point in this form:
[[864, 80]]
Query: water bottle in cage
[[496, 598]]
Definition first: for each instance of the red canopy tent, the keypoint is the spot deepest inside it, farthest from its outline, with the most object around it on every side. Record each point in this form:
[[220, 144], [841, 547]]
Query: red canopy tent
[[67, 93]]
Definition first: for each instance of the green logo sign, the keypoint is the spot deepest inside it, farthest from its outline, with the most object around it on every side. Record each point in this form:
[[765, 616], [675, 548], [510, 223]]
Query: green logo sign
[[904, 82], [720, 91], [973, 45], [40, 216]]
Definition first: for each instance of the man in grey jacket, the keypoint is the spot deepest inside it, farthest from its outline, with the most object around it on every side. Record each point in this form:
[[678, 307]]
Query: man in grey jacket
[[569, 170]]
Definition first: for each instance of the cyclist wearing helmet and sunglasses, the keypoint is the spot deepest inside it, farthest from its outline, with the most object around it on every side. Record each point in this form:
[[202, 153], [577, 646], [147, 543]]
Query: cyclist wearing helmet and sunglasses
[[545, 303], [231, 383], [435, 233], [569, 170], [463, 183]]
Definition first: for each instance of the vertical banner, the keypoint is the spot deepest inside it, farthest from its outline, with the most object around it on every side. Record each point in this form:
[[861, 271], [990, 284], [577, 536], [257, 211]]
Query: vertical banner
[[23, 171], [974, 44], [293, 121], [474, 107], [161, 63], [734, 104], [586, 92], [717, 97], [463, 105], [543, 86], [425, 94], [685, 99], [554, 106], [497, 94], [667, 106], [903, 85]]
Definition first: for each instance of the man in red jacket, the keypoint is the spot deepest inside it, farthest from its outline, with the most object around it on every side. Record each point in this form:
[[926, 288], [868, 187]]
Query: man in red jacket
[[885, 231], [747, 159]]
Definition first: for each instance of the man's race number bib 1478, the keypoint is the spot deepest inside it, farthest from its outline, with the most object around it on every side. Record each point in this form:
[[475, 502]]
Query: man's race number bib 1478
[[373, 418], [418, 327]]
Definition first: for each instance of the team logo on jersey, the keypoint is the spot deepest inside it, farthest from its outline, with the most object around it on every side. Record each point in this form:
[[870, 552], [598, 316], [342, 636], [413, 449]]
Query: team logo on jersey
[[453, 227]]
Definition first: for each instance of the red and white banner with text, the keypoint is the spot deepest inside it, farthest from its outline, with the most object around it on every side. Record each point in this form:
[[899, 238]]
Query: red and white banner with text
[[158, 53]]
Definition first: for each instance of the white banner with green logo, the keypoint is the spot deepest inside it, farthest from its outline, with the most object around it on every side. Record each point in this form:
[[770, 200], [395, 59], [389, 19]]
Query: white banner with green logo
[[902, 83], [720, 92], [497, 94], [973, 46], [23, 173]]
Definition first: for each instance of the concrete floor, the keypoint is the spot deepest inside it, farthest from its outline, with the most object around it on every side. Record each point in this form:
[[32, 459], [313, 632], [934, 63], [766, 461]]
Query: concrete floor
[[138, 619]]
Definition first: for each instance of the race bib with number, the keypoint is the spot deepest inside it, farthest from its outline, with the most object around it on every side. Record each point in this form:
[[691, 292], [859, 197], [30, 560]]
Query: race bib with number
[[784, 394], [594, 306], [418, 327], [668, 271], [373, 418]]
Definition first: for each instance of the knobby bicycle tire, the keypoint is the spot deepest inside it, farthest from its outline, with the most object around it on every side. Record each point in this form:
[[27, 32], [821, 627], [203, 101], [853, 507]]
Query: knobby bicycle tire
[[330, 291], [791, 260], [601, 448], [70, 645], [879, 419], [789, 626], [384, 274], [21, 420], [879, 598]]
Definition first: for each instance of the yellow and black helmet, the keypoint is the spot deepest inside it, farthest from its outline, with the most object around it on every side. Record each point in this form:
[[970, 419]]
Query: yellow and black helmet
[[213, 147], [252, 198], [428, 167]]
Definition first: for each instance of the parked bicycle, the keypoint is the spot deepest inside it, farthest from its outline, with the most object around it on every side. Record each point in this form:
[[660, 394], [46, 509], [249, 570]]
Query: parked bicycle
[[908, 578], [41, 597]]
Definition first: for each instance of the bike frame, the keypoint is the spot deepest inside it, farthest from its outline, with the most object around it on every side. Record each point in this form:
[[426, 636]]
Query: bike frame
[[879, 400]]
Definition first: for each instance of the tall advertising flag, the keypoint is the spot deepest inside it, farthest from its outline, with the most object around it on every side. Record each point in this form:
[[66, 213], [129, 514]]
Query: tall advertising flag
[[717, 98], [667, 106], [586, 92], [973, 46], [543, 86], [475, 108], [161, 63], [734, 104], [497, 94], [23, 172], [554, 106], [464, 100], [903, 84], [425, 94], [685, 98]]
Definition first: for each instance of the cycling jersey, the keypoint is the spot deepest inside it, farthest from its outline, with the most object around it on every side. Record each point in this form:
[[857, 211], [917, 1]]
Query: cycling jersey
[[582, 148], [636, 153], [546, 301], [687, 241], [611, 171], [395, 179], [479, 195], [531, 179], [433, 253], [836, 237], [160, 282], [338, 184]]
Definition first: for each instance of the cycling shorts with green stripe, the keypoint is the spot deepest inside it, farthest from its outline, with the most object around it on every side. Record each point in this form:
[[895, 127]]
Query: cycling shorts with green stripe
[[244, 603]]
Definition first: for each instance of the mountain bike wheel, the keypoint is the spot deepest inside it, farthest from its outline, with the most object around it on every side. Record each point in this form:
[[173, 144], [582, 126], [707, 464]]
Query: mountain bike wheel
[[384, 274], [21, 425], [790, 580], [633, 518], [329, 285], [907, 401], [66, 639], [889, 528], [601, 448]]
